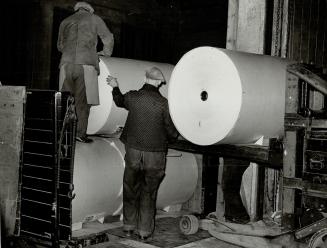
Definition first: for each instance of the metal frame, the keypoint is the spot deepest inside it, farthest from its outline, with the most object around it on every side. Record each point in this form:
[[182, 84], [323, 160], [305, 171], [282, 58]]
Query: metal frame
[[301, 123], [51, 135]]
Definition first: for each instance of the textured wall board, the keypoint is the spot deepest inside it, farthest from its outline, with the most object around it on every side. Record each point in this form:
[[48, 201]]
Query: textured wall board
[[307, 31], [12, 100]]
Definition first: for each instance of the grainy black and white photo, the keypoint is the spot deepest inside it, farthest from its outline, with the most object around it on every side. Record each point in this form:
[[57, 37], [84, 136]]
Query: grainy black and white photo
[[163, 124]]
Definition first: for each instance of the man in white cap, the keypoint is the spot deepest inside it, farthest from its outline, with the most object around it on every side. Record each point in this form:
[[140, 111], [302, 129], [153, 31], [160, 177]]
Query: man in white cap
[[79, 65], [147, 131]]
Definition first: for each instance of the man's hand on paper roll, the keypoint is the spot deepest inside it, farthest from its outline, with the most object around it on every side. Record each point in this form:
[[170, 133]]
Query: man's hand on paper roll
[[112, 81]]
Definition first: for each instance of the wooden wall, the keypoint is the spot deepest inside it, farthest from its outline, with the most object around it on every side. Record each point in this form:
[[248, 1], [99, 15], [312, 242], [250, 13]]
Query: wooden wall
[[200, 23], [18, 26], [308, 31], [299, 31]]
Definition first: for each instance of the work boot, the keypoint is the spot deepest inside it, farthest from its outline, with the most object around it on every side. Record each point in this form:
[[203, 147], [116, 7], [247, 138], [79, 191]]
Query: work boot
[[245, 219], [84, 139], [128, 233]]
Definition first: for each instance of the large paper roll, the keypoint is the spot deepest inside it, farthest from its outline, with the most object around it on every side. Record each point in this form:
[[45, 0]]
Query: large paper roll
[[98, 173], [227, 97], [98, 178], [106, 118]]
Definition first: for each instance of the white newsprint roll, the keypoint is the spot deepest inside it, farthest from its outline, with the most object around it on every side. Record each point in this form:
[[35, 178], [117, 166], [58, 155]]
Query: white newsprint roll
[[227, 97], [107, 118]]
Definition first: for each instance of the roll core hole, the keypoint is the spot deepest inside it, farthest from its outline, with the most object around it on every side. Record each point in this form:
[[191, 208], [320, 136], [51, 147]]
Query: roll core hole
[[204, 95]]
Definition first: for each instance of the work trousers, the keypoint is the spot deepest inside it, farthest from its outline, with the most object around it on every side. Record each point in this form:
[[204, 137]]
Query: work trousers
[[74, 83], [143, 174], [232, 179]]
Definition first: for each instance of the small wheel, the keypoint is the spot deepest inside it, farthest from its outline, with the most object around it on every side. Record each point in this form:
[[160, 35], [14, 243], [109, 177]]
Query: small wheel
[[189, 224], [319, 239]]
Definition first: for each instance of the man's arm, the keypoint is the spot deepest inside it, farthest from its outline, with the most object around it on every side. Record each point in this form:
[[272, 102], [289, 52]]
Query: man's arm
[[117, 96], [106, 37]]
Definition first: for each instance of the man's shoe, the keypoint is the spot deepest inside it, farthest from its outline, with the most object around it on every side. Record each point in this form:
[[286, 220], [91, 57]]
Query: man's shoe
[[238, 220], [84, 139], [143, 238], [128, 233]]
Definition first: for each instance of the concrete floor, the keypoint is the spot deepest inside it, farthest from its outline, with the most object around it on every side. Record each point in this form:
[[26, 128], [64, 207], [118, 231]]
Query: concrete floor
[[164, 238], [167, 235], [126, 243]]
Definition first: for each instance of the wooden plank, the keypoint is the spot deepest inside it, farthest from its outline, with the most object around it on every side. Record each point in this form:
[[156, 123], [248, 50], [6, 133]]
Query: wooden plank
[[289, 160], [313, 31], [232, 24], [310, 188], [289, 154], [294, 122], [208, 243], [255, 229], [292, 99], [12, 101], [254, 153], [307, 36], [285, 30], [136, 244], [315, 81], [295, 28], [251, 20], [220, 204], [260, 193], [324, 48], [276, 27], [269, 193], [242, 240], [317, 54], [311, 229], [304, 28]]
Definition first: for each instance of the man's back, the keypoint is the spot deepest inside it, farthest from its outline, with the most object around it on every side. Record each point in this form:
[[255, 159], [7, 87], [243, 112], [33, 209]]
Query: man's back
[[148, 126], [78, 36]]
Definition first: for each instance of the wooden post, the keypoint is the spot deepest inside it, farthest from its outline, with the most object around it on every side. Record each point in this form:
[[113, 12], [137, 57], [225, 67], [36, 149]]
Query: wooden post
[[285, 32], [289, 158], [232, 24], [288, 201], [246, 32], [220, 204], [280, 33], [260, 193], [246, 26]]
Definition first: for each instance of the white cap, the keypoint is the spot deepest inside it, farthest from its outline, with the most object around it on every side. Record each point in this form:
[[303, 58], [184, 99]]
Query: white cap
[[155, 73], [83, 5]]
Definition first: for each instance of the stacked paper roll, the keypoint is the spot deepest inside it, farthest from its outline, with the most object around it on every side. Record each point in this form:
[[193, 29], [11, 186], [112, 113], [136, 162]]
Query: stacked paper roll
[[227, 97], [98, 179], [106, 118]]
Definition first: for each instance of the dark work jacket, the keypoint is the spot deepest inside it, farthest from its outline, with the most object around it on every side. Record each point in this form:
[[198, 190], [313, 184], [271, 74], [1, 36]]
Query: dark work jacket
[[148, 126], [78, 38]]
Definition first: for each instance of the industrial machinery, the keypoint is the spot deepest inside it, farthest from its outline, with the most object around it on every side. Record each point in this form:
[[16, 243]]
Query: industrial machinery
[[233, 98], [304, 181]]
